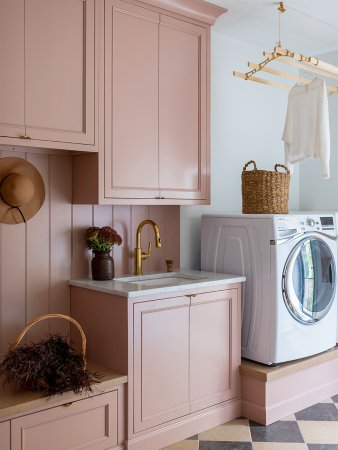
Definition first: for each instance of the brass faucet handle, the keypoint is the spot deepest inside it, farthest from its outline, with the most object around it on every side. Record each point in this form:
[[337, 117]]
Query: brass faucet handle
[[145, 255]]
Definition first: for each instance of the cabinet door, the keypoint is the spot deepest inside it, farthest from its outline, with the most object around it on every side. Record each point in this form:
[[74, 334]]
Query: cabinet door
[[59, 70], [161, 361], [131, 107], [182, 110], [5, 436], [89, 424], [12, 57], [215, 349]]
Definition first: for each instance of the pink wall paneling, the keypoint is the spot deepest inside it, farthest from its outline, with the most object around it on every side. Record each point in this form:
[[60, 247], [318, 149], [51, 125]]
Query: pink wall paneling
[[38, 259]]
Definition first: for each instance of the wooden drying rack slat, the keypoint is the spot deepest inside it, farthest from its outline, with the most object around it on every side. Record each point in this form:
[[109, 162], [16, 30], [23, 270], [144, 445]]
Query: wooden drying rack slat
[[306, 63]]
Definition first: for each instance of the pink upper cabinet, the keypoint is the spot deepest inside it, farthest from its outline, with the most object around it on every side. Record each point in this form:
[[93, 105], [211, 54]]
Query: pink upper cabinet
[[131, 107], [182, 110], [12, 57], [155, 61], [48, 81], [155, 110]]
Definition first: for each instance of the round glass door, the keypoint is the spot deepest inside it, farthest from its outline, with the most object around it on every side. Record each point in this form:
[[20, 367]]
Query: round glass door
[[309, 280]]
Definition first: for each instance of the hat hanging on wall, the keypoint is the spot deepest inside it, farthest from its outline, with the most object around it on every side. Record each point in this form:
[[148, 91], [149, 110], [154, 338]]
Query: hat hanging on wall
[[22, 190]]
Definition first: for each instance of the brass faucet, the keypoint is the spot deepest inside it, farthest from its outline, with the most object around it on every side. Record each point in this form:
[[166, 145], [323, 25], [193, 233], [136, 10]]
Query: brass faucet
[[139, 254]]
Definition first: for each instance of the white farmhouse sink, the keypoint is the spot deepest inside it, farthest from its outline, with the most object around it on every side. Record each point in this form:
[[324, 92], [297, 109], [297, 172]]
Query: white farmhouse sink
[[161, 279]]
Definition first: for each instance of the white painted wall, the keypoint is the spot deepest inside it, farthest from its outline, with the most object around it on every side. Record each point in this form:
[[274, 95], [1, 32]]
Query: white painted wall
[[315, 192], [247, 121]]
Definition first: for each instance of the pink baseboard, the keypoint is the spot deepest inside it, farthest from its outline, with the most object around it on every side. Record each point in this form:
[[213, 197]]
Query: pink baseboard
[[270, 394], [186, 428]]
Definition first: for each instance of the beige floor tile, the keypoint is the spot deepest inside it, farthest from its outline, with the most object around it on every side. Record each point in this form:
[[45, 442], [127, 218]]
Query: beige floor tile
[[291, 417], [183, 445], [278, 446], [237, 430], [319, 432], [327, 400]]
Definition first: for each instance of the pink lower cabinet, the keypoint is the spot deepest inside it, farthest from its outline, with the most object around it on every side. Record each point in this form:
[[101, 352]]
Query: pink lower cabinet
[[161, 361], [180, 350], [214, 350], [89, 424], [185, 355], [5, 435]]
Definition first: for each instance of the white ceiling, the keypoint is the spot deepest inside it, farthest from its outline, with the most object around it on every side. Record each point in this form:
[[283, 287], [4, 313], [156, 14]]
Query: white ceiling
[[308, 26]]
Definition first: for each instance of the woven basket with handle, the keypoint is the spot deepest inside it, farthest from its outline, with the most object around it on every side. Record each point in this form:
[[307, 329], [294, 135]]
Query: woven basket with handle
[[55, 316], [264, 191], [50, 366]]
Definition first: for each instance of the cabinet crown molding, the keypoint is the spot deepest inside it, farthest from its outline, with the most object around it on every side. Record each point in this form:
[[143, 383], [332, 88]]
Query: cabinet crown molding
[[196, 9]]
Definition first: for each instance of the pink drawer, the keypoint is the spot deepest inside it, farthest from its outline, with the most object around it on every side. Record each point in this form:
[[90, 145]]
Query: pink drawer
[[5, 437], [88, 424]]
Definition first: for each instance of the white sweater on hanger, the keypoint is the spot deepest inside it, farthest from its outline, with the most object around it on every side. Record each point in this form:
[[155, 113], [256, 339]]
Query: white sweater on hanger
[[306, 131]]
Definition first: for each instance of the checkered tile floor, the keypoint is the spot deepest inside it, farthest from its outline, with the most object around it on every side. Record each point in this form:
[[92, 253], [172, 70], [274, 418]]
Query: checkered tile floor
[[313, 428]]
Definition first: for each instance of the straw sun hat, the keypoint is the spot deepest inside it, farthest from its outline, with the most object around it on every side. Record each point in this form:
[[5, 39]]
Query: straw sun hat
[[22, 190]]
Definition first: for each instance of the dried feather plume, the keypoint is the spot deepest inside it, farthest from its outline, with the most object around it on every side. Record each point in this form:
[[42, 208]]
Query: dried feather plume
[[51, 366]]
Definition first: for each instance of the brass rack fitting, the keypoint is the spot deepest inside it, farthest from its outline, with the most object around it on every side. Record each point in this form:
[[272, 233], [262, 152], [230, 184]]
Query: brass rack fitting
[[281, 7]]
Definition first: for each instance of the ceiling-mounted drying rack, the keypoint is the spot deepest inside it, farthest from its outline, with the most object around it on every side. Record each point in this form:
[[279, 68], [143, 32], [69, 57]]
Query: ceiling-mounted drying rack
[[305, 63]]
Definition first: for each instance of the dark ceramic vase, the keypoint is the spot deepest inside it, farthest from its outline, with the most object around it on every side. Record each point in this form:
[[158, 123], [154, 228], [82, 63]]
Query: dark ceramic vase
[[102, 266]]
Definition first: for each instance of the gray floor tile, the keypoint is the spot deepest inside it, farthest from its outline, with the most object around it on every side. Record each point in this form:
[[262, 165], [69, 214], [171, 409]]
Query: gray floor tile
[[195, 438], [322, 446], [220, 445], [282, 431], [335, 398], [320, 411]]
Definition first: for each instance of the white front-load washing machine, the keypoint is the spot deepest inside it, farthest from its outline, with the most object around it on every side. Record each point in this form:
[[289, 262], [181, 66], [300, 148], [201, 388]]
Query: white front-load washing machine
[[289, 261]]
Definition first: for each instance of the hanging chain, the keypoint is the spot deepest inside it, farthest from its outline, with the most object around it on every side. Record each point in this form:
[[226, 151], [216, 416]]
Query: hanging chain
[[281, 10]]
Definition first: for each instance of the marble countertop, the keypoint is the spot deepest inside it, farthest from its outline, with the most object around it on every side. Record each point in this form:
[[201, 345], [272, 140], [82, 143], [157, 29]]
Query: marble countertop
[[157, 283], [14, 402]]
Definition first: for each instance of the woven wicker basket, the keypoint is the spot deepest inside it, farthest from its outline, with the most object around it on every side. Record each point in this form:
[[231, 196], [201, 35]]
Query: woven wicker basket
[[264, 191], [50, 366]]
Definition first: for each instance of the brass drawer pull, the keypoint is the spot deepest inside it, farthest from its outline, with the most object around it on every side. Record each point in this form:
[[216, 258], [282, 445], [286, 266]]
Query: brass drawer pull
[[25, 137], [67, 405]]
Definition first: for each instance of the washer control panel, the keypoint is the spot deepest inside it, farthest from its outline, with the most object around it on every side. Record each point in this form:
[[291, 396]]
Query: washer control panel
[[288, 226]]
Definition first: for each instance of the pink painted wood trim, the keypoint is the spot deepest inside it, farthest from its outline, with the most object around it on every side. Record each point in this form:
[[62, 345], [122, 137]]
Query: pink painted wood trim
[[12, 68], [5, 435], [159, 362], [12, 293], [89, 422], [213, 319], [182, 149], [85, 179], [48, 147], [82, 216], [269, 401], [87, 139], [38, 256], [185, 427], [134, 122], [122, 253], [80, 110], [108, 343], [60, 217], [196, 9]]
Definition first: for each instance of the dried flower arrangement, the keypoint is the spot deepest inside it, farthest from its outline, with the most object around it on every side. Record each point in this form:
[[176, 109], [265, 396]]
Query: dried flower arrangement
[[102, 239], [50, 366]]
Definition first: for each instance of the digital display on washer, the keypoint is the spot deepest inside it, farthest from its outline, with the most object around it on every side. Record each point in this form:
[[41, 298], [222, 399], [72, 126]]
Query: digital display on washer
[[326, 222]]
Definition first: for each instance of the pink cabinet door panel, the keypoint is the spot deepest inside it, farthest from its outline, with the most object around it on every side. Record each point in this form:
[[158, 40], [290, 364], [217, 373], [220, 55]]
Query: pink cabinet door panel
[[59, 70], [214, 348], [161, 361], [89, 424], [131, 107], [182, 104], [5, 435], [12, 57]]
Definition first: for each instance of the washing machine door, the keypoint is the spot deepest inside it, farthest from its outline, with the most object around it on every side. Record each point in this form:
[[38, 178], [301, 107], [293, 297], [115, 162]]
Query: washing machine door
[[309, 280]]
